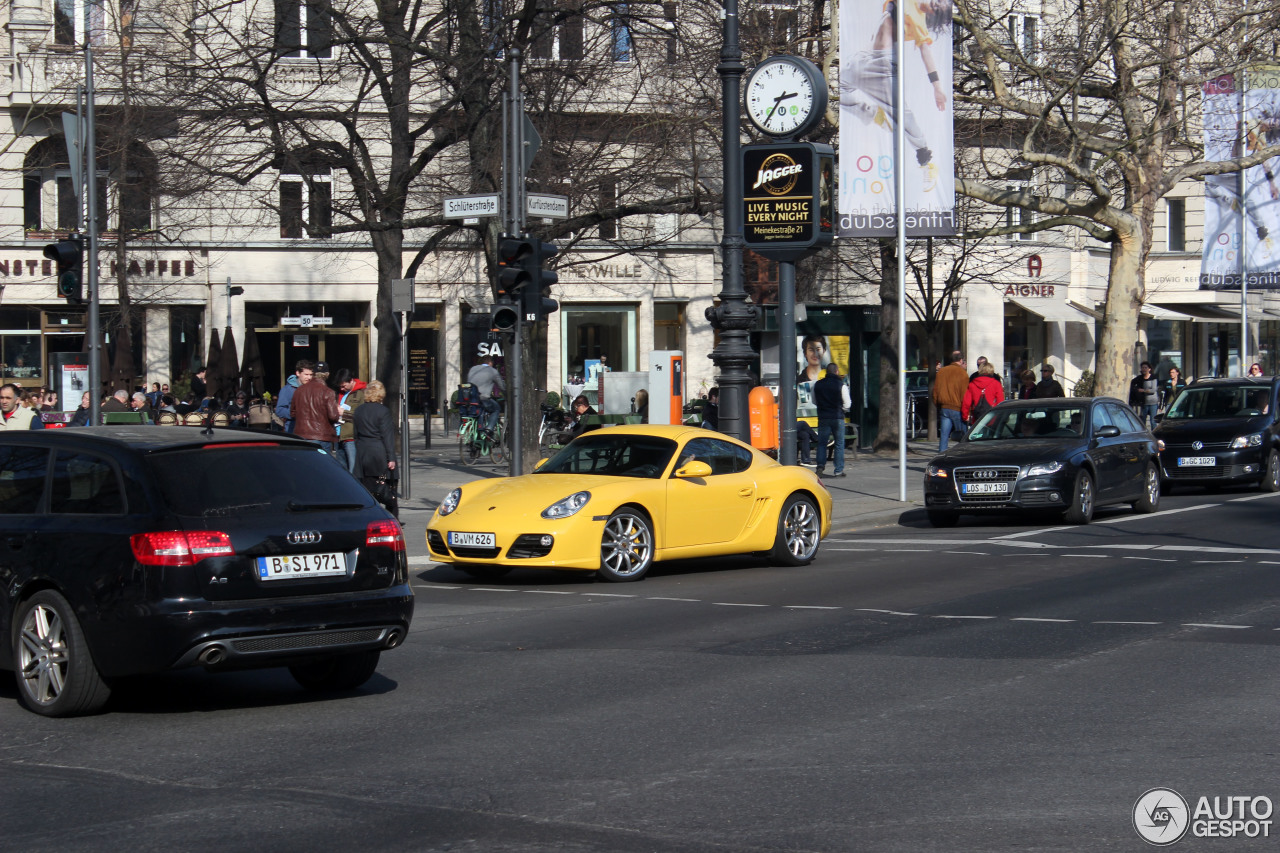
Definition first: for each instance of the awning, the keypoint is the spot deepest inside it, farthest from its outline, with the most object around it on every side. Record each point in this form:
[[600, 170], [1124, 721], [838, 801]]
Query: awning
[[1053, 310], [1200, 305], [1155, 312]]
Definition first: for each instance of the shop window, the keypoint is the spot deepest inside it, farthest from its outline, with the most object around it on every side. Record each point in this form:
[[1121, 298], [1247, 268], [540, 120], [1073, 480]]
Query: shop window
[[598, 335], [303, 29], [21, 355], [668, 326], [1176, 224]]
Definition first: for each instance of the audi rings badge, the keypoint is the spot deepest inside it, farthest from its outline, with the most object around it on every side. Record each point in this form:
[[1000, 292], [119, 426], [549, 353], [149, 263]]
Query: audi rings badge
[[303, 537], [986, 474]]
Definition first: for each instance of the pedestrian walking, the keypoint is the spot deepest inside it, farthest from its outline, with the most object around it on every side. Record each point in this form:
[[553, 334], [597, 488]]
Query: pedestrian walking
[[949, 387], [1144, 394], [828, 398], [375, 439]]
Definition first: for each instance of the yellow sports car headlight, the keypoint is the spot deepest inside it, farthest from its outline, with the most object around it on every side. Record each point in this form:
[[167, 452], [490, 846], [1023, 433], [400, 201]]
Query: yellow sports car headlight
[[566, 507], [450, 502]]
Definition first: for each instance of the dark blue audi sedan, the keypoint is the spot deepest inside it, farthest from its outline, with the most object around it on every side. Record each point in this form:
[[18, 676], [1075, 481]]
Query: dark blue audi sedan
[[1069, 455], [132, 550]]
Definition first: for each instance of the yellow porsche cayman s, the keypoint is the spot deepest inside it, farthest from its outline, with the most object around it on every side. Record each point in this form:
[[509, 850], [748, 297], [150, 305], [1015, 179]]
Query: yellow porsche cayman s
[[615, 500]]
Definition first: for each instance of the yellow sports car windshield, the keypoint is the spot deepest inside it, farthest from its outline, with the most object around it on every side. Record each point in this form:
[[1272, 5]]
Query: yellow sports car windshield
[[610, 454]]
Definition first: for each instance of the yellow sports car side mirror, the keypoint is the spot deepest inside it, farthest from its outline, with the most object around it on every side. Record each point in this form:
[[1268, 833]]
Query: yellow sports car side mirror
[[541, 462], [694, 469]]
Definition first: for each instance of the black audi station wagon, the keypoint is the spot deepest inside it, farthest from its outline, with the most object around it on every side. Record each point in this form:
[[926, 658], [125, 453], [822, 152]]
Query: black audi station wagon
[[1220, 432], [131, 550], [1069, 455]]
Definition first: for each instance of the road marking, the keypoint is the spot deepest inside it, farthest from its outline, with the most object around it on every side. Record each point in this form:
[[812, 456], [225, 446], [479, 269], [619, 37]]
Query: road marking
[[1087, 556], [1152, 559], [1215, 562], [946, 616], [1037, 619], [1213, 625], [1139, 515], [1025, 533], [888, 612], [736, 604], [434, 586], [493, 589], [610, 595], [551, 591], [810, 607], [974, 553], [1256, 497], [664, 598], [1105, 622], [908, 550]]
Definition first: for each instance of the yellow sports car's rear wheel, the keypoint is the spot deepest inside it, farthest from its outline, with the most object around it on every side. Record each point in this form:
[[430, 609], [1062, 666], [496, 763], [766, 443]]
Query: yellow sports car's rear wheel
[[626, 548], [799, 531]]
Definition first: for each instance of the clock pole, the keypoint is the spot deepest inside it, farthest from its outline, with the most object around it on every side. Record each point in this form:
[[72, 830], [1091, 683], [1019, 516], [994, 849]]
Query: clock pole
[[733, 318]]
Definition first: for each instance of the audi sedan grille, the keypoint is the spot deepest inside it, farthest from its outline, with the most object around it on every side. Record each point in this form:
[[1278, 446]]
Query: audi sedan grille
[[1006, 475]]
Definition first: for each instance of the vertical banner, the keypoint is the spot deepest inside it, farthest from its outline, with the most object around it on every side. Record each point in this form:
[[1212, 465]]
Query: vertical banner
[[1262, 182], [1220, 255], [1242, 228], [865, 204]]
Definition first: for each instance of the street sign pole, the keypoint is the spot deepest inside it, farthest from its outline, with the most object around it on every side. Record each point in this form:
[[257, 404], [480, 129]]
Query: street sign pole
[[402, 302], [515, 197], [90, 166]]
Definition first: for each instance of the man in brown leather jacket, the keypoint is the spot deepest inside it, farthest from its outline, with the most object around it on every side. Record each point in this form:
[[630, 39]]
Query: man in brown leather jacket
[[314, 410]]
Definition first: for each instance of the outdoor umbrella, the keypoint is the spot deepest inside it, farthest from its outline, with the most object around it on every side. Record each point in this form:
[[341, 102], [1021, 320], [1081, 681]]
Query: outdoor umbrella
[[253, 375], [212, 376], [229, 366]]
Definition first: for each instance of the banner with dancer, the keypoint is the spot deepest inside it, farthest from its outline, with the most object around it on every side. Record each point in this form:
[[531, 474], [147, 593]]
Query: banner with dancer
[[866, 204], [1242, 229]]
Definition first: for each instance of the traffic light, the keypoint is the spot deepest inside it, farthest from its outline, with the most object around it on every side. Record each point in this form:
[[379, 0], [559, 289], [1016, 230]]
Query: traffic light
[[68, 254], [503, 315], [535, 298], [515, 255]]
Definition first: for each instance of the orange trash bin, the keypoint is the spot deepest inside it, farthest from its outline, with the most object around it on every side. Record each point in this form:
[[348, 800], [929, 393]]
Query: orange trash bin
[[763, 413]]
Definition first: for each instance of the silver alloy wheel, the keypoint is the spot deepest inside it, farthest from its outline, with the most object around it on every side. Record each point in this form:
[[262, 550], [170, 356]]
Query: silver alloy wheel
[[627, 545], [43, 654], [1271, 480], [800, 530], [1153, 486], [1086, 496]]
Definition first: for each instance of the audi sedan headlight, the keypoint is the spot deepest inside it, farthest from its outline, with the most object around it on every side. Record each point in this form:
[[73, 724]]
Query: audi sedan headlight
[[1044, 468], [566, 507], [450, 502], [1240, 442], [936, 471]]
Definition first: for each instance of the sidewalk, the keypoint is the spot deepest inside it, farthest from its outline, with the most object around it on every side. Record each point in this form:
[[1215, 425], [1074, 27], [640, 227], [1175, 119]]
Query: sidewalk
[[866, 497]]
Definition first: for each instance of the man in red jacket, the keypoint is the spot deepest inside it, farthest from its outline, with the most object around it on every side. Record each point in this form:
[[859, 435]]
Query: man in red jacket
[[314, 410]]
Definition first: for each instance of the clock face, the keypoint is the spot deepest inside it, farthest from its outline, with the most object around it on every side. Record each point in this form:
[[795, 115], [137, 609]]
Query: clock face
[[779, 97]]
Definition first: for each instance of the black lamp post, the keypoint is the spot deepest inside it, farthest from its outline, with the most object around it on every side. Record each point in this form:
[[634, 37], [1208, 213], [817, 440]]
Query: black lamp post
[[733, 318]]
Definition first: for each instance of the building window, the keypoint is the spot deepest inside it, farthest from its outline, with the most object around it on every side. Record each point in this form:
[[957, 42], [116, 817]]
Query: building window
[[558, 35], [771, 28], [620, 30], [49, 197], [1023, 35], [594, 335], [306, 201], [671, 23], [75, 21], [304, 29], [1176, 208], [608, 201]]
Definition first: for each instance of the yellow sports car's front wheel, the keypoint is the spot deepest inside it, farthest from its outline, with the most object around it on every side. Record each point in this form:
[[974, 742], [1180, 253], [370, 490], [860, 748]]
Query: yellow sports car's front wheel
[[626, 548], [799, 532]]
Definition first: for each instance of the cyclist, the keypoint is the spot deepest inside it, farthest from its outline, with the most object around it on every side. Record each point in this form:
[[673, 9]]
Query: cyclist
[[486, 378]]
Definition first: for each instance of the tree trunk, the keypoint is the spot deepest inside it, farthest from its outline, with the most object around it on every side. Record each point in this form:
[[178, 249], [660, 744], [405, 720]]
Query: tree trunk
[[887, 432], [1118, 338], [388, 245]]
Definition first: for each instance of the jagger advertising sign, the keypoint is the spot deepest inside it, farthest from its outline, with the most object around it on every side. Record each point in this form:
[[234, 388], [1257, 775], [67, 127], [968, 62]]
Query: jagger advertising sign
[[787, 200]]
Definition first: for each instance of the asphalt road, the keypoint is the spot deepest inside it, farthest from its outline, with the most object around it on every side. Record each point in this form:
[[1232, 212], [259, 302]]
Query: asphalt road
[[1001, 685]]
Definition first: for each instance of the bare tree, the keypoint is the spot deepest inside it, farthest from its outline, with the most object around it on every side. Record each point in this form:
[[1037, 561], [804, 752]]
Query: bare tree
[[1100, 112]]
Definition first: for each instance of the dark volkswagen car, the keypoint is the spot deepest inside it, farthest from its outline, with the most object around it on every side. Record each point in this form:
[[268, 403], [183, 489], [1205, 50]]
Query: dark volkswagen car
[[1067, 454], [1222, 431], [133, 550]]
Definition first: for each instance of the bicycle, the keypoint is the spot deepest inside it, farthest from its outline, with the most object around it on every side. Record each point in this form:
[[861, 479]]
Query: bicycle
[[474, 442], [553, 423]]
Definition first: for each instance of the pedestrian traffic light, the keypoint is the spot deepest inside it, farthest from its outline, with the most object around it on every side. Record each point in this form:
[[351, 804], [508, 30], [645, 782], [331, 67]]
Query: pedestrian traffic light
[[502, 315], [515, 254], [536, 301], [68, 255]]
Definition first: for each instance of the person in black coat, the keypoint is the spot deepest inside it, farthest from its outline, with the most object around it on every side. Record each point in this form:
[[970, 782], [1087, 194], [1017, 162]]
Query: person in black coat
[[376, 444]]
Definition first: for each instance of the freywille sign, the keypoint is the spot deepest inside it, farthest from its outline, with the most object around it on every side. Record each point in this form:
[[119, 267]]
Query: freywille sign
[[788, 200]]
